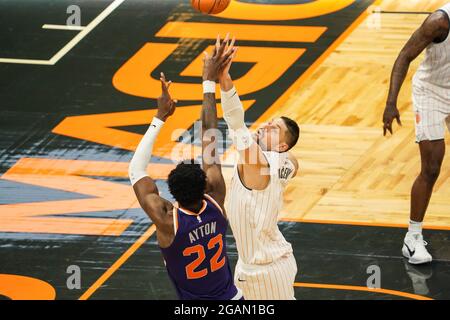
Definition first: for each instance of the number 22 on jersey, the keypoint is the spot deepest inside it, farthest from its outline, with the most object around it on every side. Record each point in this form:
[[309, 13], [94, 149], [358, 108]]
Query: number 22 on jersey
[[215, 263]]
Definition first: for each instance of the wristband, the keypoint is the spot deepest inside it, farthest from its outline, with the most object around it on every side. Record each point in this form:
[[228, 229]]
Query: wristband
[[209, 86]]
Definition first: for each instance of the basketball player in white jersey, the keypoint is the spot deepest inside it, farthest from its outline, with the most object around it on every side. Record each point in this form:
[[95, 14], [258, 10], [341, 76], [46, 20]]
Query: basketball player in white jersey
[[266, 267], [431, 100]]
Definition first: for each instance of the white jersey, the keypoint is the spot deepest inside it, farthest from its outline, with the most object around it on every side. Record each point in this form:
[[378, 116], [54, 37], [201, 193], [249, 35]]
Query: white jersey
[[253, 214], [431, 90], [434, 71]]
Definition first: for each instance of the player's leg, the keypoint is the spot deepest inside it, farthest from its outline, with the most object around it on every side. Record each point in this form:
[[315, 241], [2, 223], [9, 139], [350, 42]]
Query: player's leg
[[432, 155], [243, 281], [288, 270], [278, 280], [261, 282]]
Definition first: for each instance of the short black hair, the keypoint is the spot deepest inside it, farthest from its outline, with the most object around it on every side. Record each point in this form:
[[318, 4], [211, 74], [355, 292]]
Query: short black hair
[[293, 131], [187, 183]]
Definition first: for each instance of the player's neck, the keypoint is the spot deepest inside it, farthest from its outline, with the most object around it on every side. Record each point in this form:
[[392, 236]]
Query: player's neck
[[195, 207]]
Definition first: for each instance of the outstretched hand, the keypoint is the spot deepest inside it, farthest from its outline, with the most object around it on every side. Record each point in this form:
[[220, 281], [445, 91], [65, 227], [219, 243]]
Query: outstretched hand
[[166, 106], [229, 48], [220, 60]]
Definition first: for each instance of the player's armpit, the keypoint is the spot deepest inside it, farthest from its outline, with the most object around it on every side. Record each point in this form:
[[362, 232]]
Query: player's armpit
[[254, 168]]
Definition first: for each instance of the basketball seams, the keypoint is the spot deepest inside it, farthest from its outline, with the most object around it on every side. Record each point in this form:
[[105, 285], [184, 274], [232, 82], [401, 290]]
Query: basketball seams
[[212, 8]]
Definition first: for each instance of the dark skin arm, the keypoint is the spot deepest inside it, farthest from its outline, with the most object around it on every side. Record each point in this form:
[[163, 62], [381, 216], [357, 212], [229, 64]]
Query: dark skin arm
[[434, 29], [211, 162], [157, 208]]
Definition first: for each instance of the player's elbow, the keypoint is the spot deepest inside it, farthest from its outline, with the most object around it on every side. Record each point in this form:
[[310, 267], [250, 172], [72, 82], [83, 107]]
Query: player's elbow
[[404, 58]]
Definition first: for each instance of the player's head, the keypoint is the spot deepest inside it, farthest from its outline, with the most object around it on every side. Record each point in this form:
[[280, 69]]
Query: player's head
[[279, 134], [187, 183]]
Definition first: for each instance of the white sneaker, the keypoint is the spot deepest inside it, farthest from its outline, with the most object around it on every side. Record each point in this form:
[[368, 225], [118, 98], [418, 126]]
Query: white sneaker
[[414, 249]]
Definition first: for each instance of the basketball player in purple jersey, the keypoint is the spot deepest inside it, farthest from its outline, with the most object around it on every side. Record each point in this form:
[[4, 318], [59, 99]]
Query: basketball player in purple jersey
[[431, 101], [191, 232]]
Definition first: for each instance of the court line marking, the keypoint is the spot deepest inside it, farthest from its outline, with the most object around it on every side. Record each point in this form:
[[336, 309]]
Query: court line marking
[[361, 223], [360, 288], [404, 12], [25, 61], [62, 27], [119, 262], [72, 43]]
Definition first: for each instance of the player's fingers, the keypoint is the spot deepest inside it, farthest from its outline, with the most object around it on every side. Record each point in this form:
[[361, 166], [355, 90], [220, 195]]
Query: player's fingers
[[226, 62], [384, 131], [225, 59], [168, 85], [223, 45], [227, 55], [227, 37], [398, 120], [234, 52], [231, 47], [163, 82], [221, 49], [218, 42], [173, 105]]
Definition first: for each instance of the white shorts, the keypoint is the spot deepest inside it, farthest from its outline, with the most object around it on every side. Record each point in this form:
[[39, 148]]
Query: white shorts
[[273, 281], [432, 112]]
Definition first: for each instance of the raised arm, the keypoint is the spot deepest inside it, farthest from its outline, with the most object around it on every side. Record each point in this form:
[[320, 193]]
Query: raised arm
[[434, 29], [253, 167], [157, 208], [213, 64]]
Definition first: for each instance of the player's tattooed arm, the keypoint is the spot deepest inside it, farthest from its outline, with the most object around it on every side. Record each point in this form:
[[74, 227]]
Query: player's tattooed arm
[[434, 29], [213, 65], [156, 207]]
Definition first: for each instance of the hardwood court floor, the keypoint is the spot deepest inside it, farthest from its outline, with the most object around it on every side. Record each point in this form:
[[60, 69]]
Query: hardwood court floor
[[349, 172]]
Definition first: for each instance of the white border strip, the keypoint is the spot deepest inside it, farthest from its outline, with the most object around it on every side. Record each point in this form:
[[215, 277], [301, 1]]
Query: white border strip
[[61, 27]]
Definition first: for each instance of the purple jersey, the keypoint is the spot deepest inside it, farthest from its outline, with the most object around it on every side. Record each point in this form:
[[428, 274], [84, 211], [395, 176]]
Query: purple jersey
[[197, 260]]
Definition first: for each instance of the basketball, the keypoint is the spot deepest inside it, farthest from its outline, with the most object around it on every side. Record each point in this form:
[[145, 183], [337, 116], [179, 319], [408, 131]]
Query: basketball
[[210, 6]]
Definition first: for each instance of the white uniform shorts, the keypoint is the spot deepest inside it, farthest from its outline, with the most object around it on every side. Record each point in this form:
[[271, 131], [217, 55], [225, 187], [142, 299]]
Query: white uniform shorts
[[432, 110], [274, 281]]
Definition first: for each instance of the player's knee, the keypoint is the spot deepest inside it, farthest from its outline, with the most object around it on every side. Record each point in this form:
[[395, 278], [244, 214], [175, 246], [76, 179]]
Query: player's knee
[[431, 172]]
